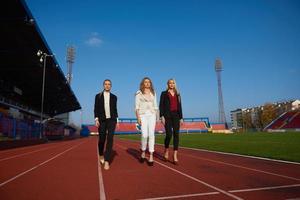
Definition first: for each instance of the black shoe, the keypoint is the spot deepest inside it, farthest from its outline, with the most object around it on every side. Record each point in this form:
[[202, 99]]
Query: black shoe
[[175, 162], [150, 163], [142, 160]]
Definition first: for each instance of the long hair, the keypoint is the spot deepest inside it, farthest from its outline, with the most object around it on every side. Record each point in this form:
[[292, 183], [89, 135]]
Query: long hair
[[175, 87], [142, 87]]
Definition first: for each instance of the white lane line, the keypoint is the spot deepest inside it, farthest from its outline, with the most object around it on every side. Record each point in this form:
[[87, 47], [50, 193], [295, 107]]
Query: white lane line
[[100, 178], [245, 156], [227, 153], [182, 196], [21, 148], [27, 153], [199, 181], [35, 167], [195, 179], [264, 188], [240, 166], [297, 198]]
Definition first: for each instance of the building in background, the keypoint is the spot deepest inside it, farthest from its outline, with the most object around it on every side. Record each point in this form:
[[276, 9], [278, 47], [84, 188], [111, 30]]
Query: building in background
[[237, 119], [257, 118]]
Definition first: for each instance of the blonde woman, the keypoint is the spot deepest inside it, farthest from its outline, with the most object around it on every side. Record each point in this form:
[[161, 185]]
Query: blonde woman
[[171, 116], [146, 110]]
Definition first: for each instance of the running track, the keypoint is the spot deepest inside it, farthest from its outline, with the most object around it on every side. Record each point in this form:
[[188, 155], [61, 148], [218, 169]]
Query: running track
[[70, 170]]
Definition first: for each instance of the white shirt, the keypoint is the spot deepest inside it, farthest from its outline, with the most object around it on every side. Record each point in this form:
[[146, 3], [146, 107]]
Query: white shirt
[[106, 104]]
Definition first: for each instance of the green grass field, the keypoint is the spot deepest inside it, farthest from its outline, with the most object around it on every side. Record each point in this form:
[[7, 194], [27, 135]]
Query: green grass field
[[282, 146]]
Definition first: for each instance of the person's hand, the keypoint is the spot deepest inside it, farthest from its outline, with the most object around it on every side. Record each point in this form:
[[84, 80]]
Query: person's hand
[[118, 123], [163, 121], [181, 121], [97, 123], [139, 121]]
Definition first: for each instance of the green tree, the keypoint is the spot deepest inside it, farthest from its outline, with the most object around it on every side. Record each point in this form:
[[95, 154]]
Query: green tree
[[268, 114], [247, 121]]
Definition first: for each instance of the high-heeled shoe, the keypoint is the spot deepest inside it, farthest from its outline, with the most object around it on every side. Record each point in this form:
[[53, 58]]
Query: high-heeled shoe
[[166, 156], [175, 161], [142, 160], [143, 157], [151, 163], [101, 160], [106, 165]]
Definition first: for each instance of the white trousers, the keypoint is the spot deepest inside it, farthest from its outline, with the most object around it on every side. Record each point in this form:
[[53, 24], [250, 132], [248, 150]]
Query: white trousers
[[148, 128]]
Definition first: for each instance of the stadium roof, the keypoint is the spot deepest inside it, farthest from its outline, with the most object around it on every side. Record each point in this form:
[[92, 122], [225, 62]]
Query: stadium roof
[[21, 72]]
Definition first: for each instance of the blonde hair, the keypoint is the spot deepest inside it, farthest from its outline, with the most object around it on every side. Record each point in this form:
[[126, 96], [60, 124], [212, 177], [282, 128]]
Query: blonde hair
[[175, 87], [142, 86]]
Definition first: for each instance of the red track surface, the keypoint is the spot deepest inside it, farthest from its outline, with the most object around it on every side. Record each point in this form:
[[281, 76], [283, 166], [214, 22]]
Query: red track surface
[[69, 170]]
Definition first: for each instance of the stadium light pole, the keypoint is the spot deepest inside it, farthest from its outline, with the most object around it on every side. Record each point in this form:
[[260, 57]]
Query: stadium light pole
[[219, 69], [70, 61], [43, 58]]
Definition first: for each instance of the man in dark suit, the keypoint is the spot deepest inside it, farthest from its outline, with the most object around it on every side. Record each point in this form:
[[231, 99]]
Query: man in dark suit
[[106, 114]]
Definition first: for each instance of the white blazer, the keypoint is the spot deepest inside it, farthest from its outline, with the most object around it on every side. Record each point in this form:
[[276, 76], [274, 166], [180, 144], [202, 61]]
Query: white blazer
[[143, 104]]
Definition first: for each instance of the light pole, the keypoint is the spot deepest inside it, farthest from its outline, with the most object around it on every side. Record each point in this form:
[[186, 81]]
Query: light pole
[[43, 57]]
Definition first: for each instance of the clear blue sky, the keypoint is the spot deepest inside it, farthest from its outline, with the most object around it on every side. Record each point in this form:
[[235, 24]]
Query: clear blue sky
[[258, 42]]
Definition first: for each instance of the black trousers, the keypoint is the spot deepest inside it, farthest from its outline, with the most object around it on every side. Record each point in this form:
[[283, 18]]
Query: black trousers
[[106, 133], [172, 126]]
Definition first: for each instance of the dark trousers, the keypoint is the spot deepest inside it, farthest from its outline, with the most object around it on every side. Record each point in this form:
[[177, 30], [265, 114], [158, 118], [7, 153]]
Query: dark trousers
[[106, 133], [172, 126]]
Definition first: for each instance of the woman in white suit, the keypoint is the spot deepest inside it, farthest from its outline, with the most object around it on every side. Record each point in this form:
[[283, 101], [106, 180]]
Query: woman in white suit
[[146, 110]]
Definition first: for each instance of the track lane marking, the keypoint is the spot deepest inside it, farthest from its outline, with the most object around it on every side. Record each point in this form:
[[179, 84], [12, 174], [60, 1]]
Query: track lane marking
[[239, 166], [38, 165], [227, 153], [182, 196], [100, 178], [242, 167], [264, 188], [30, 152], [193, 178]]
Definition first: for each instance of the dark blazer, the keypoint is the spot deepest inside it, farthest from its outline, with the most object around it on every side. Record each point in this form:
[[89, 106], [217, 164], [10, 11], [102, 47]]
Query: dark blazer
[[99, 110], [164, 105]]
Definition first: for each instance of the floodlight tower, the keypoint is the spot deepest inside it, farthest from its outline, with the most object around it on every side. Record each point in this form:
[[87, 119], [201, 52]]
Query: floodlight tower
[[219, 69], [70, 61]]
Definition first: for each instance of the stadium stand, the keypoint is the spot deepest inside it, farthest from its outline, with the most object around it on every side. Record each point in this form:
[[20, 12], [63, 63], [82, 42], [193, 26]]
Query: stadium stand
[[17, 128], [20, 68], [21, 75], [287, 121], [218, 126], [193, 127], [293, 122], [127, 128], [130, 126], [54, 129]]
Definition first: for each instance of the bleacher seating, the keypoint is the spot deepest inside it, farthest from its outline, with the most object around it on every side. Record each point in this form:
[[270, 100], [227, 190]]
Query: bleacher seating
[[132, 127], [278, 123], [127, 127], [159, 128], [18, 129], [218, 126], [293, 122], [288, 120], [93, 128], [193, 126], [54, 129]]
